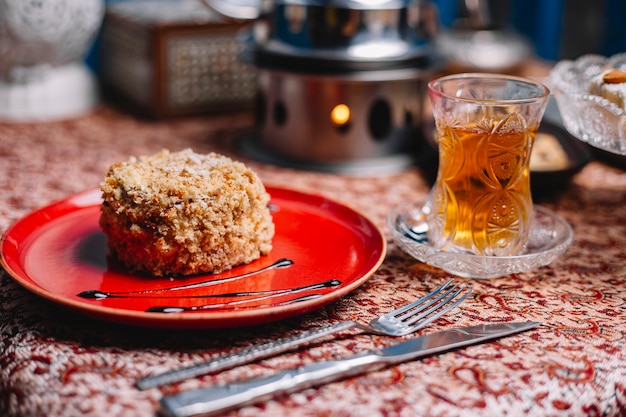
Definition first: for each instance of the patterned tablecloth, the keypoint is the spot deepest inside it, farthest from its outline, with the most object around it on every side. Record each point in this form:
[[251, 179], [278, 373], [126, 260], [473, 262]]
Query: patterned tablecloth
[[57, 363]]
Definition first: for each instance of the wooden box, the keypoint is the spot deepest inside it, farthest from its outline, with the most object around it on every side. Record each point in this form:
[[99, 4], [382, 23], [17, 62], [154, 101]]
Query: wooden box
[[164, 58]]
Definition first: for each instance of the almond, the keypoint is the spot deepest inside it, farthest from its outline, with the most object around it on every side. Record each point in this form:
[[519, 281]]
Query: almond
[[615, 77]]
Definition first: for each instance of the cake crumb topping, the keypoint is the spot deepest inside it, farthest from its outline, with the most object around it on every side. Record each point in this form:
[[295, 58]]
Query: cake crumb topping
[[182, 213]]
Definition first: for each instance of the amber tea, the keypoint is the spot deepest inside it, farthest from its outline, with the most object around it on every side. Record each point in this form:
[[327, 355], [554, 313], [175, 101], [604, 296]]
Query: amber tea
[[481, 202], [481, 199]]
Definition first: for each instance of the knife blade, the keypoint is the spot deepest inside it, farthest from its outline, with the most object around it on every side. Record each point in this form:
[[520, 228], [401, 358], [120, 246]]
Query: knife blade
[[218, 399]]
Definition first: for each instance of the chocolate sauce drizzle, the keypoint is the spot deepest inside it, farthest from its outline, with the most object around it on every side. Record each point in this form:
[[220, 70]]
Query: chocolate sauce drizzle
[[259, 295], [99, 295], [250, 296]]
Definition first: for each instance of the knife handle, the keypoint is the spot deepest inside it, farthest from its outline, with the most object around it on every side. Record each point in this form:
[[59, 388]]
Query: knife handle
[[241, 357], [206, 402]]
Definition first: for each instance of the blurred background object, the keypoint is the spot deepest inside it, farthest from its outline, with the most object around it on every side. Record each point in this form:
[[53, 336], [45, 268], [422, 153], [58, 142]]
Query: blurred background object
[[43, 45], [481, 41], [556, 29], [508, 30], [341, 83], [163, 58]]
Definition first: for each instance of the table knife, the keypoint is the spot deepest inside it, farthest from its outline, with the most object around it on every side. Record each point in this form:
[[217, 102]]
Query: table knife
[[219, 399]]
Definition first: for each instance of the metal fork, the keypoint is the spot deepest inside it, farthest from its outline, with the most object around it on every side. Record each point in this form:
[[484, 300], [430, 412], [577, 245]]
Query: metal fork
[[400, 322]]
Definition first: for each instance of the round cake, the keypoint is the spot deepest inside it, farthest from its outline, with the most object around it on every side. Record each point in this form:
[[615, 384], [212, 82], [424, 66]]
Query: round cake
[[183, 213]]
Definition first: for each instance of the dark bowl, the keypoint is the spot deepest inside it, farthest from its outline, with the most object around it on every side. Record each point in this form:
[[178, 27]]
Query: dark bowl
[[610, 158], [546, 182]]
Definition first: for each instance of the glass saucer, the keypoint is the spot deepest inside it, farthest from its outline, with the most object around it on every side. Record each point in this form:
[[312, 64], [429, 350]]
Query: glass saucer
[[590, 118], [549, 237]]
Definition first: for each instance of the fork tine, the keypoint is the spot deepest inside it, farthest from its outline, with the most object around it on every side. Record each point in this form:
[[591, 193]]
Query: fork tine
[[418, 302], [450, 295], [411, 313], [439, 313]]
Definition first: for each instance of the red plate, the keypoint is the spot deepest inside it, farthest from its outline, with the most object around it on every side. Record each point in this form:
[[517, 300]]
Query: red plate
[[322, 250]]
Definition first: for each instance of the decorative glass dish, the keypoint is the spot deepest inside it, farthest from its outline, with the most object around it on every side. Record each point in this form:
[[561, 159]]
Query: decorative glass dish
[[549, 237], [590, 118]]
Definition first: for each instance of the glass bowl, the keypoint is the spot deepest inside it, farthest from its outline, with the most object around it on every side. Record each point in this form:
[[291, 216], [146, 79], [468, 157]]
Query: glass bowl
[[549, 237], [590, 118]]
